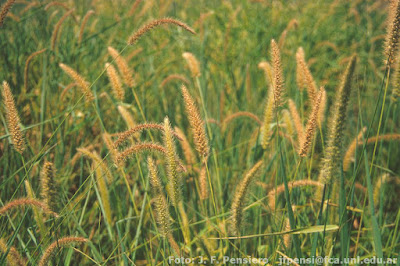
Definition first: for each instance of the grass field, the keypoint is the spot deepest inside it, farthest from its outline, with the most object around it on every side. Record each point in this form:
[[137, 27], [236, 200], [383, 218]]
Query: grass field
[[137, 132]]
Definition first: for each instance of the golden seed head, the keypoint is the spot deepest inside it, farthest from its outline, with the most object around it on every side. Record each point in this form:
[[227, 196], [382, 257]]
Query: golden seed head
[[13, 121], [82, 83], [171, 167], [240, 195], [278, 81], [196, 124], [193, 64], [155, 23], [330, 162], [116, 84], [123, 67], [312, 123], [61, 242]]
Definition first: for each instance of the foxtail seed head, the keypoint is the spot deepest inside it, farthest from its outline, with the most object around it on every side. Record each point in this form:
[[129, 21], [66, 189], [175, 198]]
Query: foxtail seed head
[[278, 81], [115, 82], [193, 64], [82, 83], [239, 202], [311, 127], [173, 176], [161, 205], [13, 121], [196, 124], [155, 23], [330, 162], [62, 242]]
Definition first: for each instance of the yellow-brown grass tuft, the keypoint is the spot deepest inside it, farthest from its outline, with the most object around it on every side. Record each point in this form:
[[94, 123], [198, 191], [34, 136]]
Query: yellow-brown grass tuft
[[193, 64], [173, 176], [13, 121], [62, 242], [203, 184], [155, 23], [296, 119], [304, 77], [48, 185], [332, 155], [116, 84], [124, 69], [266, 131], [267, 68], [278, 81], [393, 31], [306, 140], [239, 202], [82, 83], [196, 124], [161, 205]]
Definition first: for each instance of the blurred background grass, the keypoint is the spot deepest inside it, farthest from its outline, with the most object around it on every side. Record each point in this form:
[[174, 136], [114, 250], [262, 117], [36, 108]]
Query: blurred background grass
[[232, 38]]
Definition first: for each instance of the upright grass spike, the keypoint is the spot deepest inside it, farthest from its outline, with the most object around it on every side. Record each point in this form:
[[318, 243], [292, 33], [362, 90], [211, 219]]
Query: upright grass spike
[[297, 120], [48, 185], [190, 157], [82, 83], [155, 23], [393, 31], [62, 242], [300, 79], [128, 118], [116, 84], [196, 124], [332, 155], [175, 180], [193, 64], [239, 198], [311, 126], [322, 106], [266, 131], [162, 208], [277, 71], [123, 67], [267, 68], [351, 149], [4, 11], [13, 122], [203, 183], [305, 78]]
